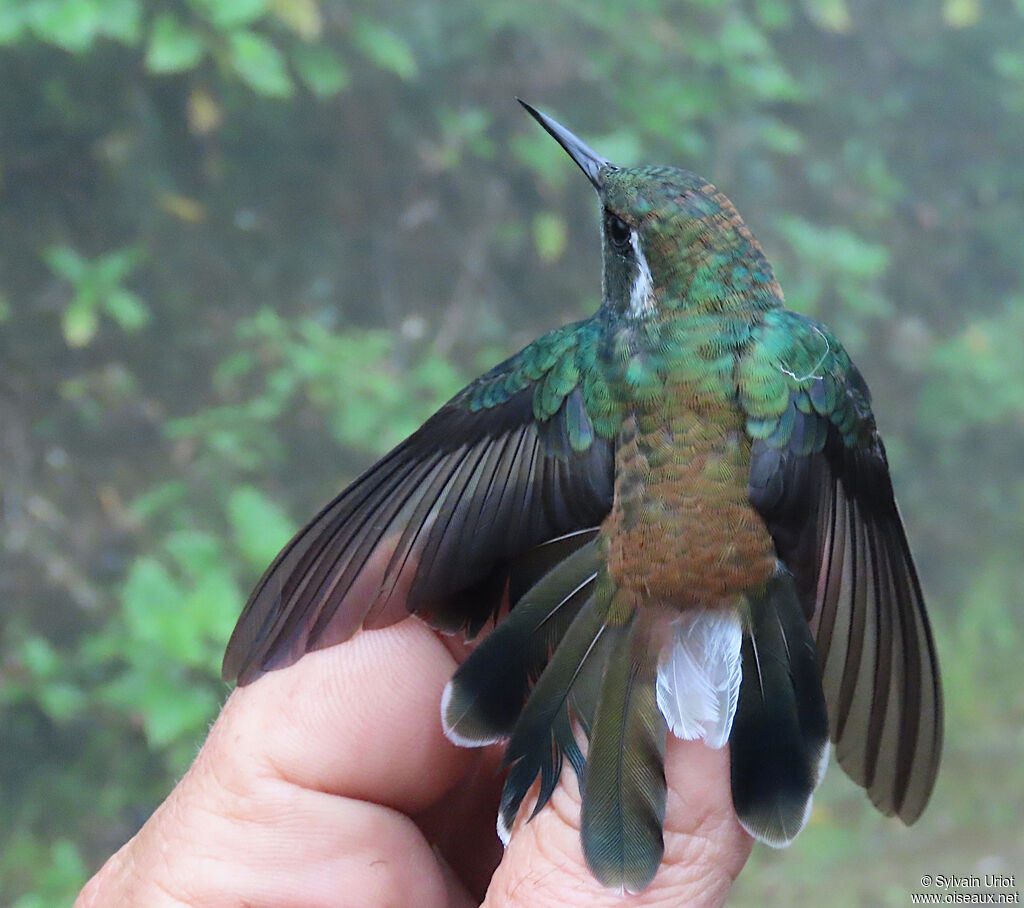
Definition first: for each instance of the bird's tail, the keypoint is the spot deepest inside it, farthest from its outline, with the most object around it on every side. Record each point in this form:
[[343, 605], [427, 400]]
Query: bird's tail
[[779, 742], [624, 789], [484, 699], [576, 654], [586, 653]]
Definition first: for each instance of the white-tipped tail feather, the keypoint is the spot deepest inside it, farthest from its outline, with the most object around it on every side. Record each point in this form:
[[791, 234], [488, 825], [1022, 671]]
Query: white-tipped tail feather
[[504, 833], [781, 830], [778, 834], [450, 721]]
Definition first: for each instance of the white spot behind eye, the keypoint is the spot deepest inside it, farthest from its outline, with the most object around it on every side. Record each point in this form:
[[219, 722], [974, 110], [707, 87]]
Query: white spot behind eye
[[641, 294]]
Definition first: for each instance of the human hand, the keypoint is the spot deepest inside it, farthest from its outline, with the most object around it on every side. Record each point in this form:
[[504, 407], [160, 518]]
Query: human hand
[[330, 783]]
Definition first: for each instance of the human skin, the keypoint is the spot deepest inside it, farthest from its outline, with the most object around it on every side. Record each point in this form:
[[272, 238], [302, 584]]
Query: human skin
[[330, 783]]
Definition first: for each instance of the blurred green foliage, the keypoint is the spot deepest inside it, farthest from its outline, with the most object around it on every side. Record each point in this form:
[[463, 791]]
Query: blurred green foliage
[[247, 245]]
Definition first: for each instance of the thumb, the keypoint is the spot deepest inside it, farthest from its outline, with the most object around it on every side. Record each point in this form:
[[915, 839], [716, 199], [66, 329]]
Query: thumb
[[705, 846]]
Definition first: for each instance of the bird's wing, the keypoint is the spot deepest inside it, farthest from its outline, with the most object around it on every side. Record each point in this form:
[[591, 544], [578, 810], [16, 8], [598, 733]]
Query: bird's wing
[[520, 457], [820, 480]]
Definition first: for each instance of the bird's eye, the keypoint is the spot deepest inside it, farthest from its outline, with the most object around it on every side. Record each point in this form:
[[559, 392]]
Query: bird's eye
[[618, 231]]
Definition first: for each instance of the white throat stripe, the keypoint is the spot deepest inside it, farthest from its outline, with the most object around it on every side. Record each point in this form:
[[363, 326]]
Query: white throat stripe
[[641, 294]]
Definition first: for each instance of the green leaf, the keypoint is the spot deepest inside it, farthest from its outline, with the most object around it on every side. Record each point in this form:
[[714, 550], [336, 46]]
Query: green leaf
[[122, 20], [303, 17], [154, 606], [150, 599], [211, 608], [70, 24], [260, 526], [65, 262], [13, 21], [231, 14], [543, 158], [773, 14], [550, 235], [39, 657], [170, 709], [173, 47], [961, 13], [195, 552], [320, 68], [740, 38], [831, 15], [115, 266], [621, 146], [260, 65], [231, 368], [1009, 64], [184, 621], [130, 312], [464, 129], [59, 871], [384, 47], [80, 322], [61, 700], [835, 249], [159, 498], [976, 376], [780, 137]]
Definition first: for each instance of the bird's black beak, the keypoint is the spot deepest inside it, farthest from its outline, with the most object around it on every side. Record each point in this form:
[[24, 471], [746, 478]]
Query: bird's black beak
[[588, 160]]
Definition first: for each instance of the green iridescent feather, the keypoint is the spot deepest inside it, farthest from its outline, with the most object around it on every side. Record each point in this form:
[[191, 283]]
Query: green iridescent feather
[[796, 364]]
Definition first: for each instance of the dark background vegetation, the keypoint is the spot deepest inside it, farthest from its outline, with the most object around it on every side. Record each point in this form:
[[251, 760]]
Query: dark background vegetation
[[247, 245]]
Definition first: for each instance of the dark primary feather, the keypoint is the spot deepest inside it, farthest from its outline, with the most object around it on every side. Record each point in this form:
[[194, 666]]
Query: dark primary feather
[[820, 479], [444, 517]]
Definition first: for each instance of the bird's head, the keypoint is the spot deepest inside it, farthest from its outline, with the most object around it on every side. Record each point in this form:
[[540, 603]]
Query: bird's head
[[671, 240]]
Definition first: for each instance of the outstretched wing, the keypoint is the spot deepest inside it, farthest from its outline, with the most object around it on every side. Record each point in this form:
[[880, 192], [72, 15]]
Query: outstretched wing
[[820, 479], [520, 457]]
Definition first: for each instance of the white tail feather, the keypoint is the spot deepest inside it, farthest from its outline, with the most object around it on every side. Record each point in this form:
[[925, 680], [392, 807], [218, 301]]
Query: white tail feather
[[699, 674]]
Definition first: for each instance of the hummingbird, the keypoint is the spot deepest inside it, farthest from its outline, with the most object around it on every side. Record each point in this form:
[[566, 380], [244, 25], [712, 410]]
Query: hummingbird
[[679, 517]]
